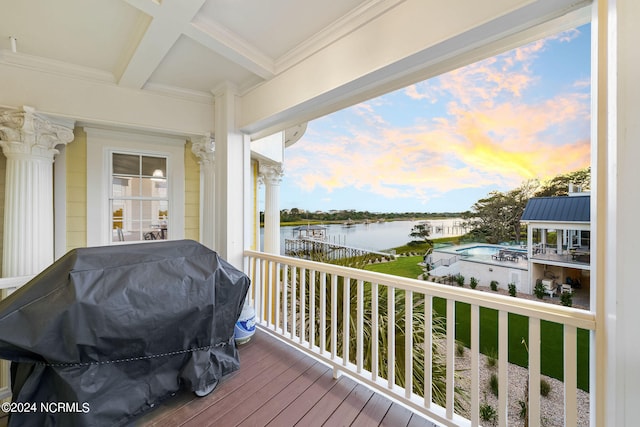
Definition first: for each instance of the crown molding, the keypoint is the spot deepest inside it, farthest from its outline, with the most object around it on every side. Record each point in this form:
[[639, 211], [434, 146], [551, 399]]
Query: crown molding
[[346, 24], [38, 63]]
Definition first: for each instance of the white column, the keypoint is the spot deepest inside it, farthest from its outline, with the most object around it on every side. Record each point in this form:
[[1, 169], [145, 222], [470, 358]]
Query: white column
[[559, 241], [271, 176], [617, 203], [204, 149], [28, 141], [231, 183]]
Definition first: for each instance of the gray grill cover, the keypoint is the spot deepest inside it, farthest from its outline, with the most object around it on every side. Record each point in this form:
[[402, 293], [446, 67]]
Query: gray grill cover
[[118, 329]]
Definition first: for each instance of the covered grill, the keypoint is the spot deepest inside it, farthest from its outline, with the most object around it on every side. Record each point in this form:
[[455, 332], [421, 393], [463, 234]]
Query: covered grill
[[106, 333]]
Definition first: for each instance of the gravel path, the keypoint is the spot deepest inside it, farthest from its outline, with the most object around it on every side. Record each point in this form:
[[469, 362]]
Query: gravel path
[[551, 407]]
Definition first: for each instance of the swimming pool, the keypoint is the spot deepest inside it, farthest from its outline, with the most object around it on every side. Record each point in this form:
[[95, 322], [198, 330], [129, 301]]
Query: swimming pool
[[486, 251]]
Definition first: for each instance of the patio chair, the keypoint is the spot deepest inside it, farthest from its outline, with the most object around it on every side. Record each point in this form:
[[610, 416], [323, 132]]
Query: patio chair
[[549, 287], [574, 283]]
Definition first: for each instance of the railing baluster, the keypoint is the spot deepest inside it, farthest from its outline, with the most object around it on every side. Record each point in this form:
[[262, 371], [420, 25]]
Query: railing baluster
[[284, 300], [312, 309], [251, 272], [570, 376], [391, 337], [323, 312], [269, 290], [375, 350], [294, 302], [334, 316], [408, 344], [346, 315], [303, 304], [451, 355], [359, 324], [534, 372], [258, 284], [503, 364], [428, 349], [278, 295], [475, 366]]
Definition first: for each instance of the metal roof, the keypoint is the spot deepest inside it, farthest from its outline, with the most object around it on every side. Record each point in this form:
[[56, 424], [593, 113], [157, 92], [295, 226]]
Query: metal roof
[[558, 209]]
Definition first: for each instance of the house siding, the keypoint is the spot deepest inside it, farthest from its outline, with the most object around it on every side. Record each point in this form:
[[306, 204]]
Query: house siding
[[191, 195], [76, 204]]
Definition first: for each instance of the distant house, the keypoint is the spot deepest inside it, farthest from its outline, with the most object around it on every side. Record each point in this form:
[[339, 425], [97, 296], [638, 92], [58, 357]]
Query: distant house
[[559, 240]]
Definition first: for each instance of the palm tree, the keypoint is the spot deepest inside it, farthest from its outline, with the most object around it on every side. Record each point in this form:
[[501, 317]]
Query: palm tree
[[438, 367]]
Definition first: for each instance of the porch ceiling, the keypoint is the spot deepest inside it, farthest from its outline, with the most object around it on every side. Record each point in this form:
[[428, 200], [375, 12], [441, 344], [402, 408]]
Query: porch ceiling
[[187, 44], [291, 60]]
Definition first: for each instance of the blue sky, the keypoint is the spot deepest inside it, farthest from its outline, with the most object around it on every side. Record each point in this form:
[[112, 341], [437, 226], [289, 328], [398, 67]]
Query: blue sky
[[442, 144]]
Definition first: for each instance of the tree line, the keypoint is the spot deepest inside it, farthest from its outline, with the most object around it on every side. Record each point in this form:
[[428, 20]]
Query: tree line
[[299, 215]]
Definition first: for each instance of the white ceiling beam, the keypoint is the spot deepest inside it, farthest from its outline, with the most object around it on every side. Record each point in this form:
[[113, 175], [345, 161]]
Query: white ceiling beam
[[229, 45], [169, 22]]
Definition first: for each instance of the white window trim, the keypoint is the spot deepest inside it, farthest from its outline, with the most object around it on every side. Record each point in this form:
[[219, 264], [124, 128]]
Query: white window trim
[[100, 144]]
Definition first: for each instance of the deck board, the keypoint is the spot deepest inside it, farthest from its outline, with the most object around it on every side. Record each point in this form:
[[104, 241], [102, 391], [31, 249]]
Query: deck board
[[233, 410], [303, 403], [328, 403], [277, 385], [374, 411], [282, 400], [351, 407]]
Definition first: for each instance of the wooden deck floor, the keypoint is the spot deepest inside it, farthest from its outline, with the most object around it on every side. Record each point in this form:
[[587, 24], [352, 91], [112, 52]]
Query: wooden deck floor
[[280, 386]]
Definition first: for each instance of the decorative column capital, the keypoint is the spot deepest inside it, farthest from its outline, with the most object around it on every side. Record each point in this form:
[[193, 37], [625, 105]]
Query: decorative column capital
[[205, 149], [270, 173], [25, 132]]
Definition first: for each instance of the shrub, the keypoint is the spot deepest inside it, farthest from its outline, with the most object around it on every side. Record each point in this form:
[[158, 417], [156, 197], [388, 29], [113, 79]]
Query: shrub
[[493, 384], [488, 413], [512, 289], [566, 299], [460, 280], [539, 289], [494, 285], [492, 358], [473, 282], [545, 388], [523, 409], [459, 349]]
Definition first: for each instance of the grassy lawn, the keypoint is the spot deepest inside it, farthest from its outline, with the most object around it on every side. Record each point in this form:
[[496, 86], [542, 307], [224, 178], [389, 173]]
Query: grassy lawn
[[551, 351], [402, 266]]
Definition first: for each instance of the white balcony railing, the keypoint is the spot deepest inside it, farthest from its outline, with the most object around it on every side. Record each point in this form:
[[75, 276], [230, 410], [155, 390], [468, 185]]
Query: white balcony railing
[[8, 286], [302, 302]]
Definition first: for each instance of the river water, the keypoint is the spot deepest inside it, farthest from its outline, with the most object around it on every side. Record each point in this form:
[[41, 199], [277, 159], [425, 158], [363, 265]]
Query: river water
[[376, 236]]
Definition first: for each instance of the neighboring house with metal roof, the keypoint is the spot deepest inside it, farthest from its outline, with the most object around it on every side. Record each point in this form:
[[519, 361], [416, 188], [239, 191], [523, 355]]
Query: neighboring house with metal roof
[[559, 241]]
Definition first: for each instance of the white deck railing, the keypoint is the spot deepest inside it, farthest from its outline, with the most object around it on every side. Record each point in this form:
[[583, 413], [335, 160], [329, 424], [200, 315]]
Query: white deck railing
[[7, 287], [301, 302]]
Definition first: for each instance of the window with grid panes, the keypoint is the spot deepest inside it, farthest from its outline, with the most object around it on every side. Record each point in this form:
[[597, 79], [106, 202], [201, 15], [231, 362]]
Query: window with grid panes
[[139, 202]]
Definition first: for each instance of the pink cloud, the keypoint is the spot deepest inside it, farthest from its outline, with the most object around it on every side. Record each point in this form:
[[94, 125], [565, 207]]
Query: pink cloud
[[490, 136]]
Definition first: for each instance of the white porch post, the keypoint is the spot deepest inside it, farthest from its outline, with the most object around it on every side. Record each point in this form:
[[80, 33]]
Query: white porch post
[[231, 183], [205, 151], [271, 175], [559, 240], [28, 141]]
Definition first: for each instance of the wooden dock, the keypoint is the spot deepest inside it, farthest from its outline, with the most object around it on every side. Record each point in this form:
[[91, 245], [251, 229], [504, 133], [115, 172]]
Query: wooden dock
[[317, 249]]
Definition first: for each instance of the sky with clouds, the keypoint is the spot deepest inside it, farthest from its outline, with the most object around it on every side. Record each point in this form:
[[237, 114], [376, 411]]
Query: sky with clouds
[[442, 144]]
